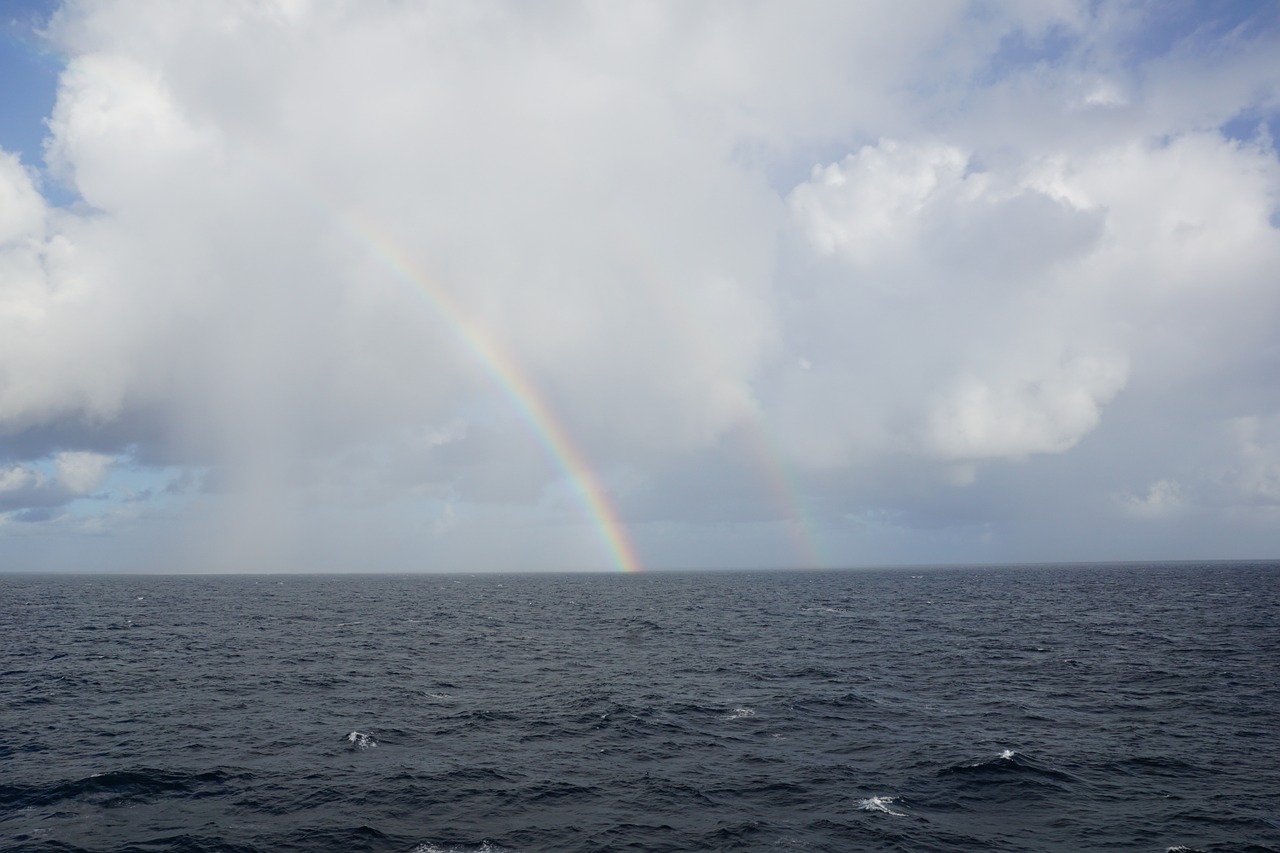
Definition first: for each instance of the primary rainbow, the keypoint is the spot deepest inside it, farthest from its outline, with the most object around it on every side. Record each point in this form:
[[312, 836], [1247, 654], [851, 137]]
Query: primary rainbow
[[528, 400]]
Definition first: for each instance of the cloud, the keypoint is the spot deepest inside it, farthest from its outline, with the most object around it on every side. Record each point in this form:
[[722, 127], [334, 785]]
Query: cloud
[[22, 209], [1163, 499], [1252, 479], [1044, 411], [357, 268], [870, 204], [75, 475], [80, 472], [946, 315]]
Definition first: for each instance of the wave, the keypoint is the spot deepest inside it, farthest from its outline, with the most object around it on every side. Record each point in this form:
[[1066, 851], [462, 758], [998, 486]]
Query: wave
[[361, 740], [116, 788], [1156, 766], [1010, 762], [1009, 775], [833, 707], [821, 610], [881, 804]]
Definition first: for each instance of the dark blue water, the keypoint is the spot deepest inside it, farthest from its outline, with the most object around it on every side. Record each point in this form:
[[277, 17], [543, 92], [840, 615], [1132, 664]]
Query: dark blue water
[[1030, 709]]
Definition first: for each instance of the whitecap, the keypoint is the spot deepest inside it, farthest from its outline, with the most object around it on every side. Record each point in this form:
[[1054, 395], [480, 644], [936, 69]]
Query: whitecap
[[740, 713], [484, 847], [880, 804], [1005, 755], [361, 740]]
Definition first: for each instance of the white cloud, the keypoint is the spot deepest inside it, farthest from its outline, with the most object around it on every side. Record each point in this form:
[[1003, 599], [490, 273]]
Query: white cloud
[[870, 204], [1105, 93], [80, 472], [1040, 411], [1163, 499], [17, 478], [30, 488], [952, 313], [21, 207]]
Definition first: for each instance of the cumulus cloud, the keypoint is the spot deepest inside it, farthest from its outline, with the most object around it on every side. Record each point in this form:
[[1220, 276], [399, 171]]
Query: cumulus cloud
[[1044, 411], [22, 209], [79, 472], [75, 474], [949, 300], [870, 204], [397, 273]]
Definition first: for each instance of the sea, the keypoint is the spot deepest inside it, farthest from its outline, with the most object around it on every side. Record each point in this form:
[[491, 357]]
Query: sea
[[1124, 707]]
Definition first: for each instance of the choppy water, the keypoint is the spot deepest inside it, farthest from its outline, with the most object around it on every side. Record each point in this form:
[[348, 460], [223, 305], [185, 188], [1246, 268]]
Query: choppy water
[[1038, 709]]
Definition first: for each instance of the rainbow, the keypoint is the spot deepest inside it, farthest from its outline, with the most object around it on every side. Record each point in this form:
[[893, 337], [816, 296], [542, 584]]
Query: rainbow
[[529, 402], [786, 495], [536, 412], [758, 440]]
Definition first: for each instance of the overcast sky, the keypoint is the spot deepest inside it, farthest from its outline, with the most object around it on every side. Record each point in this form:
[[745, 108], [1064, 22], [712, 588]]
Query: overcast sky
[[373, 285]]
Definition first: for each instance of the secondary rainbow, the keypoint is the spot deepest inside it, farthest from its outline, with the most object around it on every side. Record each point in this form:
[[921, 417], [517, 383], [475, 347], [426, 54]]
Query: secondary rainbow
[[759, 442], [780, 483], [528, 400]]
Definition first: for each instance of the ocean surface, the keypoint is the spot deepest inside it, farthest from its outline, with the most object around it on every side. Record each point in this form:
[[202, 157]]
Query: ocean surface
[[1046, 708]]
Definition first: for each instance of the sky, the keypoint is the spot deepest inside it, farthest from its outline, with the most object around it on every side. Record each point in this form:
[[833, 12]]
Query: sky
[[364, 285]]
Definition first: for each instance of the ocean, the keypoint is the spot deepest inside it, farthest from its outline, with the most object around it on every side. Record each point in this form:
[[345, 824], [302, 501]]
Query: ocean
[[1039, 708]]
